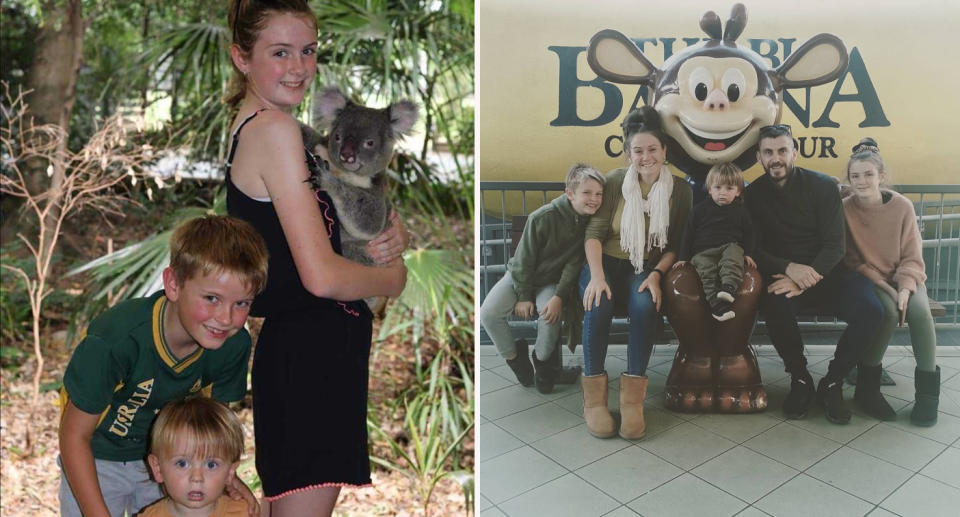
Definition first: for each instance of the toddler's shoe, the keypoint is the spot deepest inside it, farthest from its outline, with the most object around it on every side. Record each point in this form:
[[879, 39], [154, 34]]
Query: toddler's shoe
[[721, 310], [727, 293]]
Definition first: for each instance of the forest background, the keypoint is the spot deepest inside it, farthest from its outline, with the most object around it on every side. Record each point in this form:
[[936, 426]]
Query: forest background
[[112, 132]]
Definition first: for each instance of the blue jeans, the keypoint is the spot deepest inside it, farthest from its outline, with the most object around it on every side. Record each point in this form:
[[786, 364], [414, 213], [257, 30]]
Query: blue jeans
[[641, 311]]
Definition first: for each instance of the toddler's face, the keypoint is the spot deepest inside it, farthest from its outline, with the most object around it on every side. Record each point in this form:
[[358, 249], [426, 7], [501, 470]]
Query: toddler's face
[[192, 482], [587, 198], [724, 194]]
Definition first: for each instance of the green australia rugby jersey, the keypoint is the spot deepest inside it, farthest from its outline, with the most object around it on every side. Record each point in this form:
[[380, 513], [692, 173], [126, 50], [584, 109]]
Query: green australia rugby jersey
[[124, 371]]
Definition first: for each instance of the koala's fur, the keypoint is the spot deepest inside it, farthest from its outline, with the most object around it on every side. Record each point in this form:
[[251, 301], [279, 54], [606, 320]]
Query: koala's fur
[[359, 145]]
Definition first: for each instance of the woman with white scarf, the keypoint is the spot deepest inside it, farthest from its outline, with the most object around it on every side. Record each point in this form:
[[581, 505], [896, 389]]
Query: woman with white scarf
[[630, 243]]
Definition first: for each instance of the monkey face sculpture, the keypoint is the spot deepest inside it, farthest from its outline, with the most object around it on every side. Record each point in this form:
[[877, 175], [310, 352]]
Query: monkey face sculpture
[[715, 96]]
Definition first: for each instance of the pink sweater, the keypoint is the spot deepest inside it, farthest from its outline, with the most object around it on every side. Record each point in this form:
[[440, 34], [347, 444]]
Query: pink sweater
[[883, 242]]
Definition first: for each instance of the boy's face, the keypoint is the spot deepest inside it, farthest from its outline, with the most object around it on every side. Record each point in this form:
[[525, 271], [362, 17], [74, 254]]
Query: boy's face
[[724, 194], [587, 198], [191, 482], [208, 309]]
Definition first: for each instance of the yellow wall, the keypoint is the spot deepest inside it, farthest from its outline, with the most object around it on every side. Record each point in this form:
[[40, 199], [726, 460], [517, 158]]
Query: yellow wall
[[906, 50]]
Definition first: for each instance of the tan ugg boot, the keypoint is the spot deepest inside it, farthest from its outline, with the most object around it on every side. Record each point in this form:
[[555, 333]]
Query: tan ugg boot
[[595, 412], [633, 389]]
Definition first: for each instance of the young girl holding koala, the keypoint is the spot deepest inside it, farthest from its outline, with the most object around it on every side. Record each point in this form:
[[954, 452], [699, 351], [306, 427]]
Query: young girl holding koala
[[310, 364], [884, 244]]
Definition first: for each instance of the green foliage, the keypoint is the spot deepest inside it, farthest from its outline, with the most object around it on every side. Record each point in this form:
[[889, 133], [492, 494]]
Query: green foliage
[[16, 42]]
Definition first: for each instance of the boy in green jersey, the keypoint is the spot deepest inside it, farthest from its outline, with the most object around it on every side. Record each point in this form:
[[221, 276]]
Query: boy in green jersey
[[145, 352]]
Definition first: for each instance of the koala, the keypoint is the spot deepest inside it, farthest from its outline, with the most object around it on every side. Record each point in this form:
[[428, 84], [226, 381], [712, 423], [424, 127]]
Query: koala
[[359, 145]]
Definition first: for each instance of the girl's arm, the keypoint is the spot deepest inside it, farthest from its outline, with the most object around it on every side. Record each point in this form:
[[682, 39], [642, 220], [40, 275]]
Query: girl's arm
[[76, 431], [280, 160]]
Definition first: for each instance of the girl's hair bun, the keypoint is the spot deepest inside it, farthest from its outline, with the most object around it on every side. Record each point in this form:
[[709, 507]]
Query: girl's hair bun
[[866, 144], [644, 118]]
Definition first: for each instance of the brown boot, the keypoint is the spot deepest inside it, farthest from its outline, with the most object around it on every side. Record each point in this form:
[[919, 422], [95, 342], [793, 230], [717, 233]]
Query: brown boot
[[595, 412], [633, 389]]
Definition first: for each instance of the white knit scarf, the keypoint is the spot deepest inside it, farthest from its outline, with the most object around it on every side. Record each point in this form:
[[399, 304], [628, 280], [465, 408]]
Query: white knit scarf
[[632, 221]]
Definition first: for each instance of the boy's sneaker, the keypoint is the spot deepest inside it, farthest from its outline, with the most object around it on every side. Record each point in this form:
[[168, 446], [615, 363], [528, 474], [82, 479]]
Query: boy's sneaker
[[727, 293], [721, 310], [521, 365]]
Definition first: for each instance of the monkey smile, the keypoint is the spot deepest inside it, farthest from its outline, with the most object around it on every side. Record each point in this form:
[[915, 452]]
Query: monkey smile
[[714, 141]]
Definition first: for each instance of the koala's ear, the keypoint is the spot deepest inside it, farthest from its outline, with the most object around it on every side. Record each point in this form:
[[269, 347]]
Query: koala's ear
[[821, 59], [310, 136], [403, 115], [330, 103]]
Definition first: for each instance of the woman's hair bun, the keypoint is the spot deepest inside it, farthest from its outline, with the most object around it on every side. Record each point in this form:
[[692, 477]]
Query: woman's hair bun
[[644, 117], [866, 144]]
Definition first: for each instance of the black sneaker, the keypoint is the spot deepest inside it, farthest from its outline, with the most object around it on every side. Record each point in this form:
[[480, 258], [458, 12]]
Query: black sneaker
[[721, 310], [521, 365], [727, 293], [830, 397], [801, 395]]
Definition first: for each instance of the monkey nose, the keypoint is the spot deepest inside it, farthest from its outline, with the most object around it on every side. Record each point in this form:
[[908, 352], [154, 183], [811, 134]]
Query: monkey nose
[[717, 100]]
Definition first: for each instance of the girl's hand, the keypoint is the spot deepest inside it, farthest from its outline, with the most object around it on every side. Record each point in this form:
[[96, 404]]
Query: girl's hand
[[390, 244], [593, 292], [677, 264], [889, 289], [750, 262], [654, 287], [552, 311], [525, 310], [238, 490], [903, 298]]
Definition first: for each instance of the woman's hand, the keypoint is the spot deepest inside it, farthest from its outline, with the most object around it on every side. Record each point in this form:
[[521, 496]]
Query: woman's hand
[[653, 284], [390, 244], [902, 300], [593, 292], [238, 490]]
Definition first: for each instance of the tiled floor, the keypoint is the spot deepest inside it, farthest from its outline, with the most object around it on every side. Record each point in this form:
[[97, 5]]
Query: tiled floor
[[535, 457]]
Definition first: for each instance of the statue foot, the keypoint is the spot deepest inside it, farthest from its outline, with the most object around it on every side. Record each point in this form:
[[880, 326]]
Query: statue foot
[[739, 388], [690, 385]]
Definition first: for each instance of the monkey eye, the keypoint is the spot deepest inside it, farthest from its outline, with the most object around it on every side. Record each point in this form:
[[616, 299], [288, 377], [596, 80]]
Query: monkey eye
[[733, 83], [701, 81], [368, 144]]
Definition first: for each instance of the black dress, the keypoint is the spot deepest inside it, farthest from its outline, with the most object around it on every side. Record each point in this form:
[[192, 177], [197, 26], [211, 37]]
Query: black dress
[[310, 365]]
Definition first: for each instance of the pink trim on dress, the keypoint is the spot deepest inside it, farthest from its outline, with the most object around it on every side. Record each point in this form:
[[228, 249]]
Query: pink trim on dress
[[321, 485], [326, 208]]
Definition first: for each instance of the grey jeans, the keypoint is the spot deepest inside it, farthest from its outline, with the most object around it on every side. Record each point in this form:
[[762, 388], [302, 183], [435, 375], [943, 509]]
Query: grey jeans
[[126, 487], [497, 308]]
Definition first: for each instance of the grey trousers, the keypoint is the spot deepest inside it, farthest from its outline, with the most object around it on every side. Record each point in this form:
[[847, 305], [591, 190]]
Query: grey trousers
[[723, 263], [126, 487], [923, 335], [497, 308]]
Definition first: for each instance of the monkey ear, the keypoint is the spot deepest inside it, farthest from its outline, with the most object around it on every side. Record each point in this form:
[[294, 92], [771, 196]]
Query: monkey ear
[[329, 104], [616, 58], [821, 59], [403, 115]]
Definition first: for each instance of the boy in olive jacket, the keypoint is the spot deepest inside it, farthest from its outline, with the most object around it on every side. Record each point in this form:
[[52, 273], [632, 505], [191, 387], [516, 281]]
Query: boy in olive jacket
[[540, 277]]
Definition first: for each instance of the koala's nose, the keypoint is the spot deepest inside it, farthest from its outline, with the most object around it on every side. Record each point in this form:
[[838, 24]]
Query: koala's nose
[[347, 155], [716, 101]]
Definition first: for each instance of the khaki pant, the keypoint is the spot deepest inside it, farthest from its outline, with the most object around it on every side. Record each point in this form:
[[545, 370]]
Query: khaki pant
[[719, 266]]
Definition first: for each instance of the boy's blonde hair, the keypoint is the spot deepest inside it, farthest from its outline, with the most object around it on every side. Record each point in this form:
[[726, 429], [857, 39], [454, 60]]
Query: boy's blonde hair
[[725, 174], [206, 427], [581, 172], [216, 243]]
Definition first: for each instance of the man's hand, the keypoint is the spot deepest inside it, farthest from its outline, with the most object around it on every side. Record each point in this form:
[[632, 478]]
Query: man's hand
[[238, 490], [803, 275], [750, 262], [785, 286], [552, 311], [593, 292], [677, 264], [525, 310], [653, 284]]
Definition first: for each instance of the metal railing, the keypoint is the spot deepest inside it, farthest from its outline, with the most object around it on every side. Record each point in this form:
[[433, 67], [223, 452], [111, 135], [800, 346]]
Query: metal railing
[[937, 208]]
